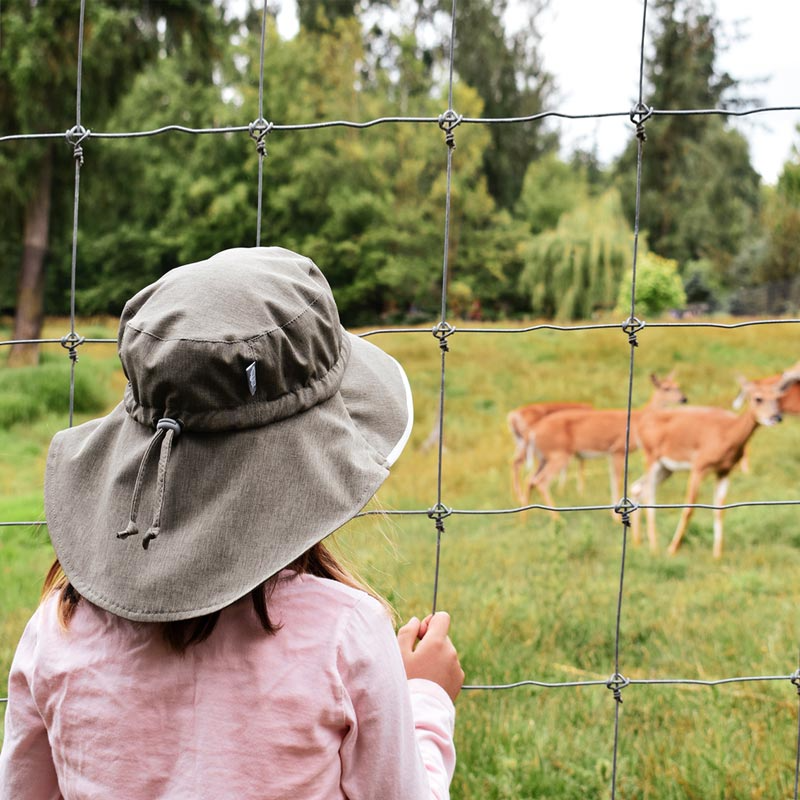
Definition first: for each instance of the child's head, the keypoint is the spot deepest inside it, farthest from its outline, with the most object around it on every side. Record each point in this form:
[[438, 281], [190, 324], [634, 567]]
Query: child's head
[[252, 426]]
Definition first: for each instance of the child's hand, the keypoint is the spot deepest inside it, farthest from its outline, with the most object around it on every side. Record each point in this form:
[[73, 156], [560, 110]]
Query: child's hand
[[434, 658]]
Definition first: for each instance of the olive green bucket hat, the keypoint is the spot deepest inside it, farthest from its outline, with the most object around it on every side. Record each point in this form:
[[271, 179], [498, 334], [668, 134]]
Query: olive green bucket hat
[[253, 425]]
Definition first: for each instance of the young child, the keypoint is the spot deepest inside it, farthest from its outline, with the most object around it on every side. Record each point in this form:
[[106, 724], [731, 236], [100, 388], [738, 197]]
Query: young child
[[196, 639]]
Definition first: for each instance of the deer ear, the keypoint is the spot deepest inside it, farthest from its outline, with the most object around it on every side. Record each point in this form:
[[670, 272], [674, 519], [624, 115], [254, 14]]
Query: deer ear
[[654, 379], [790, 376], [743, 383]]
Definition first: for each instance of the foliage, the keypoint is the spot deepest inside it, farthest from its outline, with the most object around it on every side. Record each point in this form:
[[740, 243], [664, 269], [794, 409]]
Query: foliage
[[550, 188], [765, 271], [574, 270], [701, 284], [367, 207], [658, 287], [29, 394], [699, 196], [508, 74]]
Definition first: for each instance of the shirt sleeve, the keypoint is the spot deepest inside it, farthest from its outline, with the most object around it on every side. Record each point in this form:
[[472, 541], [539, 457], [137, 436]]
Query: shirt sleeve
[[26, 762], [399, 742]]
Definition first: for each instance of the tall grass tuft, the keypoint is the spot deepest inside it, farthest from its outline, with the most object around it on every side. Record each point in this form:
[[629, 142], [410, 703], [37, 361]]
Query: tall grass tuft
[[29, 393]]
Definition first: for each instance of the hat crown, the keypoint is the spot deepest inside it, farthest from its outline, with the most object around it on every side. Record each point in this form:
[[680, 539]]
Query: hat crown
[[248, 337]]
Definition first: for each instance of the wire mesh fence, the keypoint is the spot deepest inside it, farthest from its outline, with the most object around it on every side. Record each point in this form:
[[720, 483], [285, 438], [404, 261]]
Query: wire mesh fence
[[80, 138]]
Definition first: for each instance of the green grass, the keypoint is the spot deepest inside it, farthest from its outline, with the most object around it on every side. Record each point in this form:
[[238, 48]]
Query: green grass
[[536, 599]]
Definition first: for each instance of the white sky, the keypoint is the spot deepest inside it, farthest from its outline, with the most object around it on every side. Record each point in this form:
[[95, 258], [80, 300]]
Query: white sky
[[592, 49]]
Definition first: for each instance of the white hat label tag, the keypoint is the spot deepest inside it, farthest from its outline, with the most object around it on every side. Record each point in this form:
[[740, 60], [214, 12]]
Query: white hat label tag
[[251, 378]]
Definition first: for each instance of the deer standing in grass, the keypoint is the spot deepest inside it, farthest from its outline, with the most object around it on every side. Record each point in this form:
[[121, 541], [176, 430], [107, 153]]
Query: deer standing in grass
[[701, 440], [522, 422], [788, 402], [591, 433]]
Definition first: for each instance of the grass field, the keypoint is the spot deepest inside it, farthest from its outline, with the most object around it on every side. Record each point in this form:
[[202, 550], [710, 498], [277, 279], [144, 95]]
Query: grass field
[[536, 599]]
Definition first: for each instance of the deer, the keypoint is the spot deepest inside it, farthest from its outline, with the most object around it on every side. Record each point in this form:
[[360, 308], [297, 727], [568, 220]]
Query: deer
[[788, 402], [591, 433], [522, 423], [701, 440]]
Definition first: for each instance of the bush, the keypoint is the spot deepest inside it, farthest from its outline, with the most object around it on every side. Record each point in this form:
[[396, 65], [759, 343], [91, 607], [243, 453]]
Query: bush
[[658, 287], [27, 393]]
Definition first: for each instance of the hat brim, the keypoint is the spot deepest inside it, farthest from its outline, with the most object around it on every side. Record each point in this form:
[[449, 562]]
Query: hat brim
[[238, 507]]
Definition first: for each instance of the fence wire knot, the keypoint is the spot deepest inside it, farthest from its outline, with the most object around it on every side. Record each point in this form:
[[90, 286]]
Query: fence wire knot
[[448, 122], [632, 326], [796, 680], [625, 508], [617, 683], [439, 513], [75, 137], [71, 342], [259, 129], [640, 113], [441, 332]]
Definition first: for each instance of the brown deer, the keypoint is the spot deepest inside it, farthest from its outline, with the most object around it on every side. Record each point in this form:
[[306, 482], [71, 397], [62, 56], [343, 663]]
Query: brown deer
[[788, 402], [590, 433], [700, 440], [522, 423]]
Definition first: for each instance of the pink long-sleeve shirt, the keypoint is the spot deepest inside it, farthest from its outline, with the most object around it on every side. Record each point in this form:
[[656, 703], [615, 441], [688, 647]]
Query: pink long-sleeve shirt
[[321, 710]]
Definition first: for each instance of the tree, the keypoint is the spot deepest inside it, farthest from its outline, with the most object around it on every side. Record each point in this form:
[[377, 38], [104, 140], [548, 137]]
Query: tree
[[120, 37], [367, 206], [316, 15], [574, 270], [508, 75], [700, 194], [550, 188]]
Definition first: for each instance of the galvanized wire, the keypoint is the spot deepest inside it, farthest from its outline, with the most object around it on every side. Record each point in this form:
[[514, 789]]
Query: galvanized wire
[[260, 139], [443, 331], [346, 123]]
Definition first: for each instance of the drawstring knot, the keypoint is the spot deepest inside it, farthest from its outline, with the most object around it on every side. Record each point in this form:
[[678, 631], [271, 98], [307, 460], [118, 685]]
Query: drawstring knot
[[166, 430]]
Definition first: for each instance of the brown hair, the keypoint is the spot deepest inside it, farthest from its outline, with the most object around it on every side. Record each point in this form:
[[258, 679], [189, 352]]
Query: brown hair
[[179, 635]]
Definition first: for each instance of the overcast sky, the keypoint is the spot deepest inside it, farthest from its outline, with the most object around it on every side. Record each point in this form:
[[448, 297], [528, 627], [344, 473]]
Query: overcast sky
[[592, 49]]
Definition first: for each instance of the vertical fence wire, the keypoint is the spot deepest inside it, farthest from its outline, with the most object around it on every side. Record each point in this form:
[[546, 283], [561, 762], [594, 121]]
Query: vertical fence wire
[[617, 682], [444, 329], [796, 683], [76, 137], [260, 144], [259, 129]]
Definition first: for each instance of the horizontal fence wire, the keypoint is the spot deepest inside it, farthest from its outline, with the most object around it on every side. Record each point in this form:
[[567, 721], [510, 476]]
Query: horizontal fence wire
[[348, 123], [448, 121]]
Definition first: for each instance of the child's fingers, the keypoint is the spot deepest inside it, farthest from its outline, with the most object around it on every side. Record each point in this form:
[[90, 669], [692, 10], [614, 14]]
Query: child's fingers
[[438, 626], [423, 628], [408, 635]]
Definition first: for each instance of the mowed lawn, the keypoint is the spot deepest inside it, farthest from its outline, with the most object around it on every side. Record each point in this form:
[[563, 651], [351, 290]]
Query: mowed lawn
[[533, 598]]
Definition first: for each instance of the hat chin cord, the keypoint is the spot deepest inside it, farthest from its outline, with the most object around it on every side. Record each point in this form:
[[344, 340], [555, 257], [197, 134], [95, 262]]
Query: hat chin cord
[[166, 430]]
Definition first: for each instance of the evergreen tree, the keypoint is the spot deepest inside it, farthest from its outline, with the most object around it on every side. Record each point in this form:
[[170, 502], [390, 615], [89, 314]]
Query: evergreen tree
[[508, 74], [38, 71], [700, 194]]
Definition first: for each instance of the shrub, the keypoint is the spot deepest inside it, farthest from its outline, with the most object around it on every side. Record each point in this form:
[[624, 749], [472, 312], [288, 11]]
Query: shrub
[[27, 393], [658, 287]]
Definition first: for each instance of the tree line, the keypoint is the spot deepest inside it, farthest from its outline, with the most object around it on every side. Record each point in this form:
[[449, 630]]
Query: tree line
[[531, 233]]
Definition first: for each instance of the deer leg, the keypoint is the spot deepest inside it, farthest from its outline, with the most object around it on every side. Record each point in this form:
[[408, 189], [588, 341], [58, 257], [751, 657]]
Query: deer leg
[[548, 469], [637, 490], [656, 475], [720, 493], [695, 478], [581, 479], [516, 464]]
